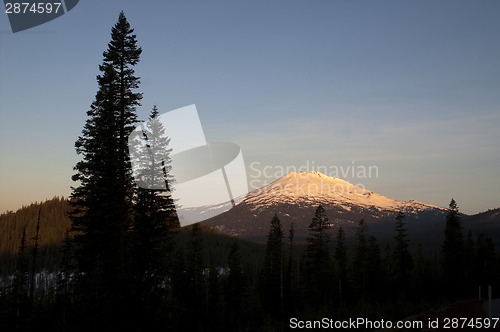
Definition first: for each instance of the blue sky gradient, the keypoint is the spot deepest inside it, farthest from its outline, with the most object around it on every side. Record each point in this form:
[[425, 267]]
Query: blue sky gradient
[[411, 87]]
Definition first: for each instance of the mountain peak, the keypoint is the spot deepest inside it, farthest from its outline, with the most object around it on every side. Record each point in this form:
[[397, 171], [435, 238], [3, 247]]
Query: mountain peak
[[314, 187], [294, 197], [309, 184], [311, 174], [311, 180]]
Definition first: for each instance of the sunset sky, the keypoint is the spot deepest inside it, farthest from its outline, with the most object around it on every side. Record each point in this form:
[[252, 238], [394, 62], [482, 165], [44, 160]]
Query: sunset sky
[[412, 88]]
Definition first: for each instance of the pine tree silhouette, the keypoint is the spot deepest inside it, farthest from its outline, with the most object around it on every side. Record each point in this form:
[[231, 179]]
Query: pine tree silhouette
[[453, 251], [271, 278], [102, 200], [155, 221], [403, 261], [317, 261]]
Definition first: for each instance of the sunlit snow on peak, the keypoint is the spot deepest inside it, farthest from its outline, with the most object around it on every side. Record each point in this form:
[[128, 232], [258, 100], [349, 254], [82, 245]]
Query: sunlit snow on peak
[[316, 187]]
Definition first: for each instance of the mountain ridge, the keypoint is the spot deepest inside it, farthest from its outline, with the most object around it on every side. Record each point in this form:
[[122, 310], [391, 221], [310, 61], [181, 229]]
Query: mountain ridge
[[329, 188], [294, 196]]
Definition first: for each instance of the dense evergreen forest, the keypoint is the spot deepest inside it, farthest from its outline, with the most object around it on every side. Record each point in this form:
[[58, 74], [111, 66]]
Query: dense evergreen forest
[[54, 222], [229, 284], [113, 257]]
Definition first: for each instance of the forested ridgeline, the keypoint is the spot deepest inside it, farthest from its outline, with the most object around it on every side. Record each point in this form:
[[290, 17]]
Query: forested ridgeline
[[54, 222]]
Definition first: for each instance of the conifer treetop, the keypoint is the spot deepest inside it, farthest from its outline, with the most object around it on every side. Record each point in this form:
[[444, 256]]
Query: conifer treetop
[[122, 49]]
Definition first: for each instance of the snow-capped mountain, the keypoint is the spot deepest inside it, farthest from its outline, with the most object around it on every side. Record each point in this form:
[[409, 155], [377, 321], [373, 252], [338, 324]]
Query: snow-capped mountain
[[294, 198], [317, 188]]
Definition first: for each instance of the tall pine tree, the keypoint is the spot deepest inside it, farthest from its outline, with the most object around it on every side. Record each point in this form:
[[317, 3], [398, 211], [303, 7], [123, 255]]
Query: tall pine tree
[[154, 220], [360, 262], [318, 264], [403, 261], [102, 200], [290, 277], [342, 261], [271, 279], [453, 251], [20, 286]]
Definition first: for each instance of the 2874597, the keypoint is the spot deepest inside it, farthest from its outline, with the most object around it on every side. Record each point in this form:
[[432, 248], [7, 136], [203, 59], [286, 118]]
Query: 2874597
[[32, 7]]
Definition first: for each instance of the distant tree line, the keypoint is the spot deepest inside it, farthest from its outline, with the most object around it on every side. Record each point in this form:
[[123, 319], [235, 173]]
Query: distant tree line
[[331, 280]]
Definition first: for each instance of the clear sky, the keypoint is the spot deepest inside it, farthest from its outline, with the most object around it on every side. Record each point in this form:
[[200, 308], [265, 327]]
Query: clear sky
[[411, 87]]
